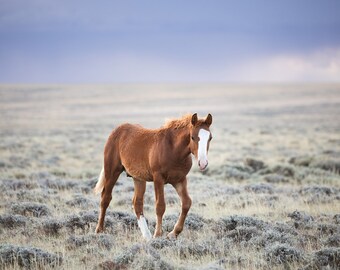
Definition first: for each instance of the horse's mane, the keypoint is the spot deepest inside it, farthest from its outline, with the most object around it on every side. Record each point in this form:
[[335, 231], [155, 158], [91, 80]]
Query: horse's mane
[[178, 123]]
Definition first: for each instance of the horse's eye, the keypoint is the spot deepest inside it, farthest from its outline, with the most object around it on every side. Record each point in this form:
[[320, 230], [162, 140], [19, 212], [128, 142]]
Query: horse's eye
[[192, 137]]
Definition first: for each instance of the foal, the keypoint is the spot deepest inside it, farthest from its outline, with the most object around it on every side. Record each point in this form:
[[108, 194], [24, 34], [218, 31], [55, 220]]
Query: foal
[[162, 156]]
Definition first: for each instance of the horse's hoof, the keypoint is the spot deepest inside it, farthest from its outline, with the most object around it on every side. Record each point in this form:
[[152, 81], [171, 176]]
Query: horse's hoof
[[99, 230], [156, 235], [171, 235]]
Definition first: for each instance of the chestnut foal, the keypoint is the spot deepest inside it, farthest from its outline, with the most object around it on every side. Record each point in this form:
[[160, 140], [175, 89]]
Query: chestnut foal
[[162, 156]]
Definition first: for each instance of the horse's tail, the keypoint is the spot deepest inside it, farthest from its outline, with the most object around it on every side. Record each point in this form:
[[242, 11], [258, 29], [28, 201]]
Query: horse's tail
[[100, 184]]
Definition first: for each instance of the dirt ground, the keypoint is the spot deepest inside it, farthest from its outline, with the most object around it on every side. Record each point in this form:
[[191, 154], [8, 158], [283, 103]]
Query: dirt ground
[[269, 200]]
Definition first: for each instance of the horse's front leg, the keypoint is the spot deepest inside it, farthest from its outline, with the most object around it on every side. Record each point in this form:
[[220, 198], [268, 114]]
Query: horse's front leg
[[160, 203], [181, 188]]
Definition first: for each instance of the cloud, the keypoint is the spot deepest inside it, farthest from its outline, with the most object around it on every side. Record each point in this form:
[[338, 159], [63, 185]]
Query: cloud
[[319, 66]]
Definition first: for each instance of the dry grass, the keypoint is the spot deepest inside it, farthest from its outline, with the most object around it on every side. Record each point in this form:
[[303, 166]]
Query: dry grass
[[270, 199]]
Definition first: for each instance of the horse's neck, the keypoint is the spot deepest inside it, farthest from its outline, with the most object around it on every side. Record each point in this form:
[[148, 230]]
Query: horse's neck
[[181, 139]]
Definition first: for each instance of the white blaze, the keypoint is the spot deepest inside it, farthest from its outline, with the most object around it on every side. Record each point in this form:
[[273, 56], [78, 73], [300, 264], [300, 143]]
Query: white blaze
[[204, 136], [144, 227]]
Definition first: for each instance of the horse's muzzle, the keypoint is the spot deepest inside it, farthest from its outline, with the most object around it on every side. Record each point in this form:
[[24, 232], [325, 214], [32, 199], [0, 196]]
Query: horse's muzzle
[[203, 164]]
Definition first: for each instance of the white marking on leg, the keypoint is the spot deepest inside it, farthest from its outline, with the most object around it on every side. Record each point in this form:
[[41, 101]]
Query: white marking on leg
[[144, 227], [204, 136], [100, 184]]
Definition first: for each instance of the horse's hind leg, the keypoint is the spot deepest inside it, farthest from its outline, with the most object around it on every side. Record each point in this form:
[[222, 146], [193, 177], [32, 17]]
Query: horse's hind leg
[[106, 197], [138, 202], [182, 191]]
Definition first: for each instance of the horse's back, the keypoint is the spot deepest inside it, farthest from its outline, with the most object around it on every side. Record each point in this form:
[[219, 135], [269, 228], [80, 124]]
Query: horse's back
[[131, 134]]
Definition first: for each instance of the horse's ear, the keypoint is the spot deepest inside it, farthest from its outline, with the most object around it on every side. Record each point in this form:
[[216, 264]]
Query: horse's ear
[[194, 119], [208, 119]]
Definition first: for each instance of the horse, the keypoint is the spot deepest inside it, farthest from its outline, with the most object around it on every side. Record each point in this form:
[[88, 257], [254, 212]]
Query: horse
[[161, 156]]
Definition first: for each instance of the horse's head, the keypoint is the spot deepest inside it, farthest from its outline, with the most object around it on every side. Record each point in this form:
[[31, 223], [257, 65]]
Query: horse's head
[[200, 137]]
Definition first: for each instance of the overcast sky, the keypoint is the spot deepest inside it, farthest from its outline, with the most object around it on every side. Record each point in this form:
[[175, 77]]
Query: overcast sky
[[63, 41]]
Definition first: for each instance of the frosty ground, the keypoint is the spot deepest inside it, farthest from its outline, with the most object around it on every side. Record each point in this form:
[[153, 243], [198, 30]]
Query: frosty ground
[[270, 199]]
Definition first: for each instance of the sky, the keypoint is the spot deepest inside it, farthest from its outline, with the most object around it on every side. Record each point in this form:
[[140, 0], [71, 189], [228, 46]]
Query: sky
[[65, 41]]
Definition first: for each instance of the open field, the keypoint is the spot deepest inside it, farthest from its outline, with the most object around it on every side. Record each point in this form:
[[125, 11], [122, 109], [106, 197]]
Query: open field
[[269, 200]]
